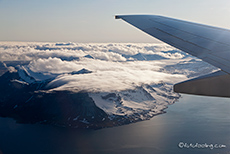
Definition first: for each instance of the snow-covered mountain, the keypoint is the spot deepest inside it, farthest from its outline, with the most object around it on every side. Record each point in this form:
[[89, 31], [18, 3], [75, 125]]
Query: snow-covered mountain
[[90, 85]]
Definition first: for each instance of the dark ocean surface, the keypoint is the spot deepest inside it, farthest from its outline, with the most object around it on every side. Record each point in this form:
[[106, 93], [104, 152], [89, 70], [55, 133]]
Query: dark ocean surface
[[193, 125]]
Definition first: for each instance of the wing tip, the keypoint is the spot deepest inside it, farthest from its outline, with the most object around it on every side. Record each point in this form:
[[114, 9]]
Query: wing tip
[[133, 15], [117, 17]]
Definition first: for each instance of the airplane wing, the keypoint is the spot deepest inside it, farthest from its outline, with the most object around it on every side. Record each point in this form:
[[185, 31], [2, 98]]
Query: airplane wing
[[211, 44]]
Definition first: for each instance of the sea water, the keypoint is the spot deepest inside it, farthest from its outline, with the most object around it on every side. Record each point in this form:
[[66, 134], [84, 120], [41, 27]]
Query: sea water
[[193, 125]]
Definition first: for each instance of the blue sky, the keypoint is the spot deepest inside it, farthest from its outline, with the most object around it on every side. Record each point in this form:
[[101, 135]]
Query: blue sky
[[93, 20]]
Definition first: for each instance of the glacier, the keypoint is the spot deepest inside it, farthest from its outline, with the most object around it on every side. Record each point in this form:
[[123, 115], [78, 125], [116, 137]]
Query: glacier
[[112, 83]]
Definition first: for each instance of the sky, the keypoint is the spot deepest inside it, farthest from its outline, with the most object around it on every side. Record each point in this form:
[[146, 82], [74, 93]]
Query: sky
[[92, 21]]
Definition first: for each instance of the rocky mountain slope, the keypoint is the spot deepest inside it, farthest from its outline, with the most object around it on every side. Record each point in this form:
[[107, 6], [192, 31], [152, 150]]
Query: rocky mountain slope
[[27, 99]]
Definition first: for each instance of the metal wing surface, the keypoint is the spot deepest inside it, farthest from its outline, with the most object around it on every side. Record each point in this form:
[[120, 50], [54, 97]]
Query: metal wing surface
[[211, 44]]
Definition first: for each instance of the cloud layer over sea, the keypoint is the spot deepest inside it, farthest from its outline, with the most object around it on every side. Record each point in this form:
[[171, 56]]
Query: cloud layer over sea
[[114, 66]]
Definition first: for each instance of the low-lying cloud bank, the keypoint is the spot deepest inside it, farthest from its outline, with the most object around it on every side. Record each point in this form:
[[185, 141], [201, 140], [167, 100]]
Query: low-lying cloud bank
[[114, 66], [71, 51]]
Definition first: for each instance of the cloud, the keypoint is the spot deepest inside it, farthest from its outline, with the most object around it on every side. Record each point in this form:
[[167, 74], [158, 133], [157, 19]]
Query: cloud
[[109, 56], [106, 81], [71, 51], [109, 63], [53, 65], [105, 76]]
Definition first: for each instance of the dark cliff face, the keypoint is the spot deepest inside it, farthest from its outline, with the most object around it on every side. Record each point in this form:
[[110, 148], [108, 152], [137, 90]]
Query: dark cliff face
[[30, 103]]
